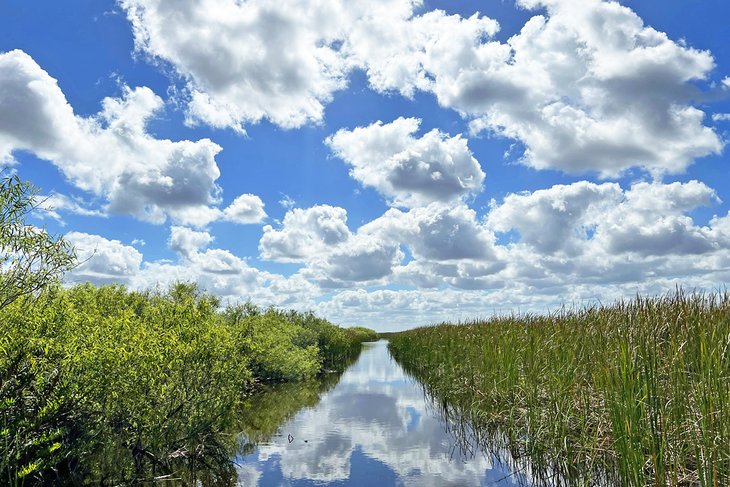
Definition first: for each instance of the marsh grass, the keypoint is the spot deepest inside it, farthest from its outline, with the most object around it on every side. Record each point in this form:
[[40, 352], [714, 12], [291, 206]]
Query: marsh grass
[[634, 393]]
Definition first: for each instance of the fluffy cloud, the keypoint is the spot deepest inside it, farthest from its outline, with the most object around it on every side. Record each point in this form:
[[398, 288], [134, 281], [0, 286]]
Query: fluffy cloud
[[436, 232], [561, 238], [558, 218], [586, 87], [103, 261], [247, 208], [587, 218], [409, 171], [278, 61], [109, 154], [465, 275], [639, 239], [305, 233], [402, 53], [362, 260], [187, 242], [652, 220], [335, 257], [722, 226], [568, 238]]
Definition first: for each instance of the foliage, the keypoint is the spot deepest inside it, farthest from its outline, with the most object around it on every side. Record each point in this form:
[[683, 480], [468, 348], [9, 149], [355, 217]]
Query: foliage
[[128, 385], [336, 346], [281, 350], [35, 418], [30, 258], [638, 392], [109, 386], [363, 334]]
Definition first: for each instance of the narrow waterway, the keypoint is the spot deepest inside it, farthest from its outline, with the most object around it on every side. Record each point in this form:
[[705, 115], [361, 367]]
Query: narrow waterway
[[374, 428]]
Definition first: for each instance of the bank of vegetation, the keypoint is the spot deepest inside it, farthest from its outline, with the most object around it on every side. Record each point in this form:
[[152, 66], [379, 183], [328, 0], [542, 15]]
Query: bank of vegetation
[[103, 385], [635, 393]]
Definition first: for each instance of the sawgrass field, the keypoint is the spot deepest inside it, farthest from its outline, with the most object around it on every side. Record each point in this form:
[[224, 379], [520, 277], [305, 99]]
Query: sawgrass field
[[633, 393]]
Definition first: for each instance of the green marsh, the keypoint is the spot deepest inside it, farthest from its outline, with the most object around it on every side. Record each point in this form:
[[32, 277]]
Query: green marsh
[[635, 393]]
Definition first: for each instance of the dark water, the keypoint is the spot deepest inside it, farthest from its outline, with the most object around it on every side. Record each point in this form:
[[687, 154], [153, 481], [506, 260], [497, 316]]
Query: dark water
[[373, 428]]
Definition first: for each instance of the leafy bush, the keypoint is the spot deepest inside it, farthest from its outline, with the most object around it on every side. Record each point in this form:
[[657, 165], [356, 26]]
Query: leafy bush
[[362, 334], [30, 258], [128, 384], [278, 351], [36, 413], [107, 385]]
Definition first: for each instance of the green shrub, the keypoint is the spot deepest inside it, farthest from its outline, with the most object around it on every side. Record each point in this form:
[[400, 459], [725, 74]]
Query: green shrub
[[279, 350], [106, 382], [362, 334], [107, 385]]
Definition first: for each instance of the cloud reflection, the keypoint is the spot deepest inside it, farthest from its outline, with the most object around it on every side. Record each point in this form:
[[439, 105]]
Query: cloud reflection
[[375, 423]]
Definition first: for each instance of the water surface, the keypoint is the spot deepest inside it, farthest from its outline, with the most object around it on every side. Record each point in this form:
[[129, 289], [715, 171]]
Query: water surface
[[374, 428]]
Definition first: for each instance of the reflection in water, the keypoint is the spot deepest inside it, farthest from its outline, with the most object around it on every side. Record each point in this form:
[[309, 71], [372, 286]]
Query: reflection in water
[[375, 427], [473, 433], [272, 405]]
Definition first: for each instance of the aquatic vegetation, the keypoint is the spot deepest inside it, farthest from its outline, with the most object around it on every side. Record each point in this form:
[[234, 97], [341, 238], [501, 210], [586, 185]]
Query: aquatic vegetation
[[364, 334], [637, 391]]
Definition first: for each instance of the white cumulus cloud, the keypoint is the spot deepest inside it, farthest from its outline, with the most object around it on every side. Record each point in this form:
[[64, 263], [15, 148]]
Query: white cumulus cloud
[[584, 86], [436, 232], [409, 170], [103, 261], [110, 154], [187, 242], [246, 208], [305, 233], [253, 60], [362, 260], [558, 218], [606, 221]]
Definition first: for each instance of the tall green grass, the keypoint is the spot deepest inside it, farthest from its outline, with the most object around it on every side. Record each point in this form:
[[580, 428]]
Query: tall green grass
[[638, 391]]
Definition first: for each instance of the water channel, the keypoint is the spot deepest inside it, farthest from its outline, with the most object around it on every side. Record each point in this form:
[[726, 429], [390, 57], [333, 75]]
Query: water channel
[[375, 427]]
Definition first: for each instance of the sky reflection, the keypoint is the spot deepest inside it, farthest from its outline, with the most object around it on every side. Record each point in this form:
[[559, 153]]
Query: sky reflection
[[374, 428]]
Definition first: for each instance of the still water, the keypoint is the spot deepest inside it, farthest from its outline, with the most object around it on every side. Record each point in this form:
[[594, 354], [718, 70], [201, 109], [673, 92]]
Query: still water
[[375, 427]]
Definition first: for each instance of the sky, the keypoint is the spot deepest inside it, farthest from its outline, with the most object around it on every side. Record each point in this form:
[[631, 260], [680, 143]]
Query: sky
[[386, 163]]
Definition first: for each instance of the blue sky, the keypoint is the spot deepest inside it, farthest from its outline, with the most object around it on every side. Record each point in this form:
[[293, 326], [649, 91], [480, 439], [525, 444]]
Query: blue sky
[[387, 163]]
